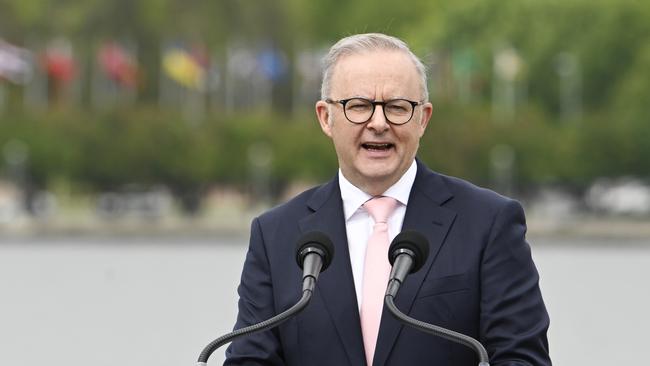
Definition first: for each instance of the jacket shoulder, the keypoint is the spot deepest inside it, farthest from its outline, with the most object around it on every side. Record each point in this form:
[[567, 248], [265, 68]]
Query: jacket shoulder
[[294, 208], [467, 191], [473, 201]]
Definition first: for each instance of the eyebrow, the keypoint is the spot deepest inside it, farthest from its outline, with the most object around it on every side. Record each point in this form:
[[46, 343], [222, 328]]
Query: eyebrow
[[374, 100]]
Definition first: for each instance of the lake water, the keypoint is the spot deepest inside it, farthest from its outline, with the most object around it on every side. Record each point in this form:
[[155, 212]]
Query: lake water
[[158, 301]]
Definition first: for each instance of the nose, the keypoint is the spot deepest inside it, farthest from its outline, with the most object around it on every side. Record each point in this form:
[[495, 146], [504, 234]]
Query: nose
[[378, 121]]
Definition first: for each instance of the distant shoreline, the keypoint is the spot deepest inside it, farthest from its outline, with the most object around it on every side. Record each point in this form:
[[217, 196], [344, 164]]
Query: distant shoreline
[[202, 227]]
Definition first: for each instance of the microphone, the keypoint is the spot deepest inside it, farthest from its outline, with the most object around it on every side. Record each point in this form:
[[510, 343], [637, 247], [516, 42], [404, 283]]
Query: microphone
[[314, 252], [407, 253]]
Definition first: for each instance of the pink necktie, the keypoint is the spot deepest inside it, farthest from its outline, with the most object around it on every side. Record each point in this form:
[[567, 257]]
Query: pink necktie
[[376, 271]]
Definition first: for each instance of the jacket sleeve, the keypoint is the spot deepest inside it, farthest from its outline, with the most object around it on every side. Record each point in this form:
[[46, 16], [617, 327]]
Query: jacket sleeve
[[514, 320], [255, 305]]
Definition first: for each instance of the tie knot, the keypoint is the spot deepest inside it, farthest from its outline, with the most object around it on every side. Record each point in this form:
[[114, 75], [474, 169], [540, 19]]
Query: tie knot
[[380, 208]]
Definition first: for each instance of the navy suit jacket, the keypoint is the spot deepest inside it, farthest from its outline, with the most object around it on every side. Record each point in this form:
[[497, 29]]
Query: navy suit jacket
[[479, 280]]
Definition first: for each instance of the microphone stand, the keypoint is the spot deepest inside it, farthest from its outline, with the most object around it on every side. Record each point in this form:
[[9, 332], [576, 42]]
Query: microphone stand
[[307, 290], [314, 253], [438, 331]]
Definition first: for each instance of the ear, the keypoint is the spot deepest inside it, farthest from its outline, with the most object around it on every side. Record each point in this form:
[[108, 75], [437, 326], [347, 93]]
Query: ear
[[425, 116], [323, 114]]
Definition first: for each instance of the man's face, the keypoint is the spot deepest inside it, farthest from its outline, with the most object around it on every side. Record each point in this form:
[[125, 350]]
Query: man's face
[[374, 155]]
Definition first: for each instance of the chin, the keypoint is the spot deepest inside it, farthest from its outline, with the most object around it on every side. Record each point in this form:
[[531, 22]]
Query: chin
[[378, 173]]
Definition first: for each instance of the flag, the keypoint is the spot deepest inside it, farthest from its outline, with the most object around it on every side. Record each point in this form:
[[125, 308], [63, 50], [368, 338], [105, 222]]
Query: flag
[[16, 64], [118, 64], [59, 62], [186, 68]]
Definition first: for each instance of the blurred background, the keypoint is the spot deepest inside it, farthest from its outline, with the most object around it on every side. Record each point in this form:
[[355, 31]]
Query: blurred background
[[138, 139]]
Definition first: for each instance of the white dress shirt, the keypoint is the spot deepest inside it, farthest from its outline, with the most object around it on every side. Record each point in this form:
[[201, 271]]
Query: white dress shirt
[[359, 224]]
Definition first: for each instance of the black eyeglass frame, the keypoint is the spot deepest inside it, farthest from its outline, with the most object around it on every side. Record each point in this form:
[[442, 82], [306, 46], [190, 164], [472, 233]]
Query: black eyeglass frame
[[374, 104]]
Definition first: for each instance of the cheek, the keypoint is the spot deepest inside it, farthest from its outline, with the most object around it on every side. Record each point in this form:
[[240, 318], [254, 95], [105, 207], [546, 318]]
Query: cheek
[[344, 135], [411, 136], [342, 141], [419, 130], [412, 142]]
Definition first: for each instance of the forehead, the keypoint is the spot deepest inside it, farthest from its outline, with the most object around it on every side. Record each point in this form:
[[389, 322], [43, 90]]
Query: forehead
[[375, 74]]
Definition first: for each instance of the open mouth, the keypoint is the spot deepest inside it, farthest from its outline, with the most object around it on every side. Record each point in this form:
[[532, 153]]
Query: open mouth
[[377, 147]]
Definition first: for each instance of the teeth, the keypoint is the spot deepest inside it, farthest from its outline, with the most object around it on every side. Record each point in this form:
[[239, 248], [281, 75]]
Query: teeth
[[377, 146]]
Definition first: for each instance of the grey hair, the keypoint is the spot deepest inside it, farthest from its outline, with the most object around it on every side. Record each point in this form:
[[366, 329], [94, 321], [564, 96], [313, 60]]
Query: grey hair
[[359, 43]]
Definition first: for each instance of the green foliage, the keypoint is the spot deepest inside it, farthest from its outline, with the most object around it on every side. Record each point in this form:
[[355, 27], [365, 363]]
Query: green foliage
[[149, 146], [606, 36], [609, 39]]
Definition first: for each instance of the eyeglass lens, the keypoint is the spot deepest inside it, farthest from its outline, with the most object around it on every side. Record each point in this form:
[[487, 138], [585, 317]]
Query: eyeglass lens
[[360, 110]]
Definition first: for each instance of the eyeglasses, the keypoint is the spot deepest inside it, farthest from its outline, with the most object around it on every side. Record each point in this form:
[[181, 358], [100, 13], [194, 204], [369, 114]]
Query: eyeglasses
[[360, 110]]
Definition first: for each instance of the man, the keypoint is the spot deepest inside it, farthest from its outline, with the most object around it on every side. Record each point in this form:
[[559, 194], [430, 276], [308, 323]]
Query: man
[[479, 278]]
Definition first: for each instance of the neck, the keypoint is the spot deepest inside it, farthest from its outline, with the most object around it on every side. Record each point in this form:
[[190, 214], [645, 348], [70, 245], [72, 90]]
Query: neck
[[373, 187]]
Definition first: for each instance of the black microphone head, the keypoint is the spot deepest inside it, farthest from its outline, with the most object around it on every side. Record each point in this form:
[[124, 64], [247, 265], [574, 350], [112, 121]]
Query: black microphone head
[[413, 241], [315, 241]]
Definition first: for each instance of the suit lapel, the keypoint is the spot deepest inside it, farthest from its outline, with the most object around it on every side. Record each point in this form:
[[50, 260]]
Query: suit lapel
[[336, 285], [424, 214]]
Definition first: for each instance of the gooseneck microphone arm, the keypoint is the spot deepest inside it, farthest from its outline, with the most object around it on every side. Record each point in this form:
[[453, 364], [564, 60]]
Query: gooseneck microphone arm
[[314, 253], [439, 331], [267, 324], [407, 254]]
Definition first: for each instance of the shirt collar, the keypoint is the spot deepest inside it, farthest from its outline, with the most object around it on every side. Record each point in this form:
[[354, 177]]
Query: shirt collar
[[353, 197]]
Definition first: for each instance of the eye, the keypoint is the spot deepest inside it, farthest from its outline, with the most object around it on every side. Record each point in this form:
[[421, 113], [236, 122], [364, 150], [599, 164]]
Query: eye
[[358, 105], [398, 107]]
